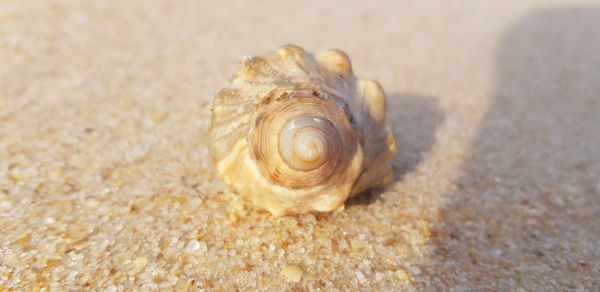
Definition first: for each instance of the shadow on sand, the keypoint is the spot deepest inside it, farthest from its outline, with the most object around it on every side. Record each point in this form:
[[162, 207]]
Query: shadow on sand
[[526, 209]]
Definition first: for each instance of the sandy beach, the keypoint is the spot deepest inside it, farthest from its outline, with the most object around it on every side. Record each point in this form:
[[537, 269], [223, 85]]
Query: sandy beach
[[106, 183]]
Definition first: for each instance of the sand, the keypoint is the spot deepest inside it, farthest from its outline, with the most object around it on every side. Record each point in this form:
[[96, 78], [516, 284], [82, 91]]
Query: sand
[[106, 182]]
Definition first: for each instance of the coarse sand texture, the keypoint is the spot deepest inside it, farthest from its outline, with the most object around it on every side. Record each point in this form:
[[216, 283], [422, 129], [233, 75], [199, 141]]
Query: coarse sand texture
[[106, 182]]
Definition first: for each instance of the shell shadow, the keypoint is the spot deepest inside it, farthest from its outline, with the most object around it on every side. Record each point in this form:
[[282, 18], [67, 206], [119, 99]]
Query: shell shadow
[[414, 120]]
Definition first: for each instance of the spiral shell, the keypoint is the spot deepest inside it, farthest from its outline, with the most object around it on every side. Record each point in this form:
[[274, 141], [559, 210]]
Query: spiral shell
[[293, 133]]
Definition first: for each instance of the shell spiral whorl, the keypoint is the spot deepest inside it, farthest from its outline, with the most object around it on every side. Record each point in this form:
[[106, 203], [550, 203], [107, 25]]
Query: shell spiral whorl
[[303, 145], [294, 133], [304, 142]]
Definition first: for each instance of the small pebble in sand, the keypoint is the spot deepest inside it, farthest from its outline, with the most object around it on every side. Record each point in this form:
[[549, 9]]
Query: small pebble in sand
[[403, 275], [292, 273], [138, 264], [196, 246]]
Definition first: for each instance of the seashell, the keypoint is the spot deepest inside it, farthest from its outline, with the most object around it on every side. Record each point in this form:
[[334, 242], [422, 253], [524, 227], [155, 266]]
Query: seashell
[[294, 133]]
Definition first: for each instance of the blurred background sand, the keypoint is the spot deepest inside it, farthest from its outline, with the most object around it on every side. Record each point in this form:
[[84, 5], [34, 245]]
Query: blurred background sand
[[106, 182]]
